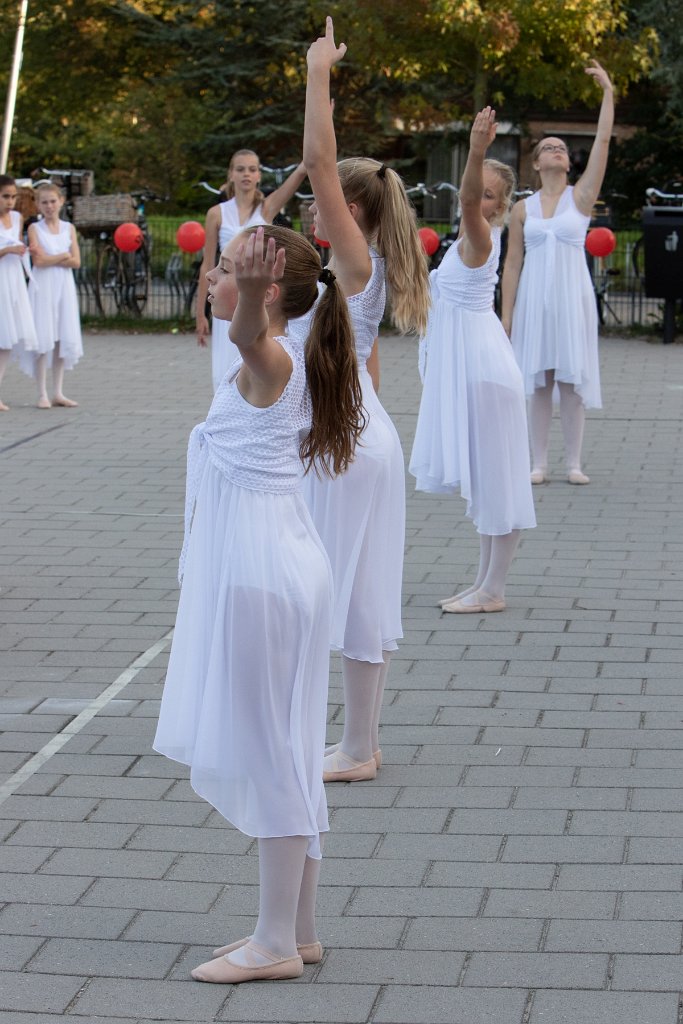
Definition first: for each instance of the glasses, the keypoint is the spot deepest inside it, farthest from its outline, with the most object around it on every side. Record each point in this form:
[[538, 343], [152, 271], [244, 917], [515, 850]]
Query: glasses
[[552, 148]]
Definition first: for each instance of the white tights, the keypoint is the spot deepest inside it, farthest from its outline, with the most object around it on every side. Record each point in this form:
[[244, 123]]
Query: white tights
[[572, 418], [364, 683], [288, 885], [495, 558]]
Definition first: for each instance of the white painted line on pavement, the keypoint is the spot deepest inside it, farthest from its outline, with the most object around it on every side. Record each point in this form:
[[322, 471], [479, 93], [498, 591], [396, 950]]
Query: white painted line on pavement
[[35, 763]]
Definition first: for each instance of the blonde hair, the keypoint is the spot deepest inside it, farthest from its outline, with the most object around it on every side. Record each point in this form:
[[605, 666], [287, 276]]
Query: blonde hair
[[509, 179], [331, 367], [230, 186], [388, 219], [47, 186]]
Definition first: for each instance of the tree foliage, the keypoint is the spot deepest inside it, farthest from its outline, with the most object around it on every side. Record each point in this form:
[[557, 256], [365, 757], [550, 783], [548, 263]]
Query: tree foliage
[[160, 92]]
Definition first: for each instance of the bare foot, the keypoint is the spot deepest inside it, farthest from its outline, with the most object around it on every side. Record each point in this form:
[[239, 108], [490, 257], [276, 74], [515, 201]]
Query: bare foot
[[67, 403], [44, 403]]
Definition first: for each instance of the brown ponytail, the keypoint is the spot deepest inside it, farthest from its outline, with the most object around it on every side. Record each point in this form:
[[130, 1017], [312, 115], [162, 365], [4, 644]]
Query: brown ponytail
[[331, 367], [230, 186], [389, 221]]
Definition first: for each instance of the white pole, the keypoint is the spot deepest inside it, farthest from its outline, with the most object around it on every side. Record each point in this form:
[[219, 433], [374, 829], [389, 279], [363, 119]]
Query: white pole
[[12, 89]]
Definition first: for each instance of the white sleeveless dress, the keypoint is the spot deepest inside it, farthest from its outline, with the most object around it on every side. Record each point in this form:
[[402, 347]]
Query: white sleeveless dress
[[54, 301], [471, 428], [16, 320], [223, 352], [555, 320], [360, 515], [245, 699]]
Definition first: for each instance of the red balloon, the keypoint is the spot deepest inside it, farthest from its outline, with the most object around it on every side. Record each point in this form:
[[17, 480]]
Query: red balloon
[[128, 237], [321, 242], [190, 236], [600, 241], [429, 239]]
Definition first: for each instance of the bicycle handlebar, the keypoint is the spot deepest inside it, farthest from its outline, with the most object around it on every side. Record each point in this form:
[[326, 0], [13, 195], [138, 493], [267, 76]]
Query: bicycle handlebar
[[654, 193]]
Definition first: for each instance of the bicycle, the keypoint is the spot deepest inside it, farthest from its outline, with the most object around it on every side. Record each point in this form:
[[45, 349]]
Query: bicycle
[[125, 275]]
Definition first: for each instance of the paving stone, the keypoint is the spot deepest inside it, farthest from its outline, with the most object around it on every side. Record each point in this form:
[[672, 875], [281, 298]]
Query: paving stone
[[101, 958], [64, 922], [537, 970], [572, 1007], [435, 1005], [613, 936], [160, 999], [37, 993], [650, 973]]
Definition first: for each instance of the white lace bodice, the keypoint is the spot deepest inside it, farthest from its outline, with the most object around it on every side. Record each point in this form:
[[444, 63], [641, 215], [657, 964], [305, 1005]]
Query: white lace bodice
[[366, 310], [469, 287]]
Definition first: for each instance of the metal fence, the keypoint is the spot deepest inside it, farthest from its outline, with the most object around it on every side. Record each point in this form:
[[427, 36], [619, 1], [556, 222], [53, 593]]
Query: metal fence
[[159, 283]]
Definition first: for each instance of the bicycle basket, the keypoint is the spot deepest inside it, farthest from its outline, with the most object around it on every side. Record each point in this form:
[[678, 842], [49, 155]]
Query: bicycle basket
[[102, 213]]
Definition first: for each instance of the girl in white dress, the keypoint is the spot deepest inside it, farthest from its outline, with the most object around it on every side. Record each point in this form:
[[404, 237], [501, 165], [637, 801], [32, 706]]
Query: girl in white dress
[[16, 320], [471, 428], [245, 699], [54, 299], [245, 206], [362, 209], [548, 306]]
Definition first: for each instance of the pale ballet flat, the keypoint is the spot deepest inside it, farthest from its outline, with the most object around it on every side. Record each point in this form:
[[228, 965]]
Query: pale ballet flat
[[310, 952], [377, 754], [43, 403], [538, 476], [3, 407], [339, 767], [485, 603], [222, 971], [575, 476], [66, 403]]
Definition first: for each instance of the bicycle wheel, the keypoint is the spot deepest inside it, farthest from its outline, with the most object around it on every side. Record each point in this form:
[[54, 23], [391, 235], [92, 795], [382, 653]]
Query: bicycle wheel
[[139, 280], [106, 274]]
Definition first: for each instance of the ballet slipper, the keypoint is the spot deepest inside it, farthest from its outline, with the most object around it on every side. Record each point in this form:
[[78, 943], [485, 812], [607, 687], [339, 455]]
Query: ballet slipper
[[377, 754], [538, 476], [575, 476], [3, 407], [67, 403], [339, 767], [456, 597], [483, 603], [310, 952], [43, 403], [222, 971]]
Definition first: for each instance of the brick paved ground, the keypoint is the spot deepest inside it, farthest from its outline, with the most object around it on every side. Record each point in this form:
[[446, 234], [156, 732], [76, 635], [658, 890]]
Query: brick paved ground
[[517, 861]]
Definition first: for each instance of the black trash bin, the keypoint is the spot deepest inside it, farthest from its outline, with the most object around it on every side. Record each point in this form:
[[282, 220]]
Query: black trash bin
[[663, 248]]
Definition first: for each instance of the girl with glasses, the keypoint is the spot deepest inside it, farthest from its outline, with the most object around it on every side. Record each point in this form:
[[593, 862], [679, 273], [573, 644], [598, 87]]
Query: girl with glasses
[[548, 306]]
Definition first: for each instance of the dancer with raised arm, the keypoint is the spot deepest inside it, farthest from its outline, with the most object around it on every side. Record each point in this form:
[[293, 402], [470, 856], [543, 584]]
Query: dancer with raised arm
[[548, 306], [245, 698], [361, 208], [471, 429], [244, 206]]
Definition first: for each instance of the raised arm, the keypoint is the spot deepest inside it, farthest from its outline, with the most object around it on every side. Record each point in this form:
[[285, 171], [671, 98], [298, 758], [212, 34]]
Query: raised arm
[[257, 270], [587, 189], [273, 203], [352, 263], [514, 259], [476, 244], [208, 263]]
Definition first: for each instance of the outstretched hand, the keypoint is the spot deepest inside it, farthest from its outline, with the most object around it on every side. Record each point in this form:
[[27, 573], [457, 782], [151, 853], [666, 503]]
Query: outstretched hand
[[483, 130], [257, 267], [598, 73], [324, 53]]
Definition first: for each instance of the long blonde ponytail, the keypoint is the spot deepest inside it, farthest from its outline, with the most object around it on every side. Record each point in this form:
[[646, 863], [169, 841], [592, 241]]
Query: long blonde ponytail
[[389, 220]]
